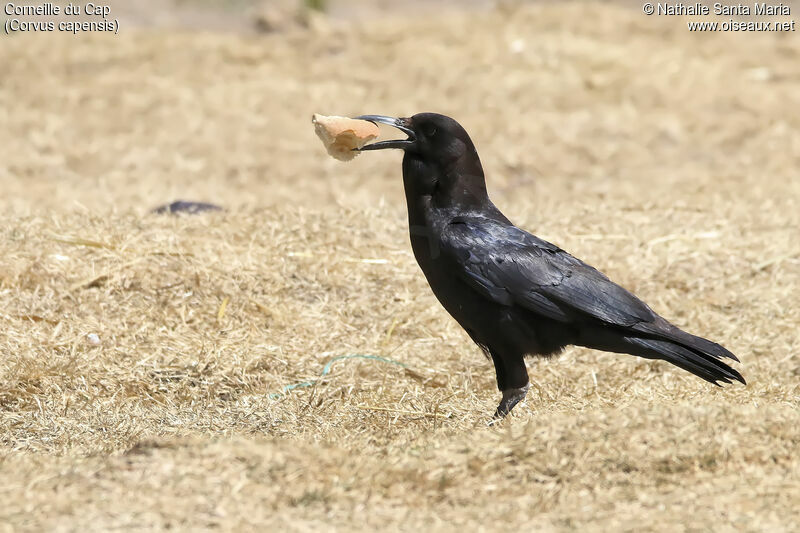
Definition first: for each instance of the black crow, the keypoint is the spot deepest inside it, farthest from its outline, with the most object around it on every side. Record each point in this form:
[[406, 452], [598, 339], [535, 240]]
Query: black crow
[[514, 293]]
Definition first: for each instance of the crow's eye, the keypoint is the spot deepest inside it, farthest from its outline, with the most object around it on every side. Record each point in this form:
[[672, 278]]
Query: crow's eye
[[429, 130]]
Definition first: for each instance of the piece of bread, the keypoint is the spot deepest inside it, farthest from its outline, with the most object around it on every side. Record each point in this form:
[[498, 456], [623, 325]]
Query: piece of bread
[[342, 136]]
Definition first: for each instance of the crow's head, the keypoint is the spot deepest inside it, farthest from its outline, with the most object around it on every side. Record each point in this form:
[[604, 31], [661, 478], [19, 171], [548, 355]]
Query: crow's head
[[435, 138], [440, 158]]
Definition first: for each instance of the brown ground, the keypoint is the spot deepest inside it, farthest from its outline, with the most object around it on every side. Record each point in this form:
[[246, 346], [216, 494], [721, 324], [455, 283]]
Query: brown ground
[[668, 159]]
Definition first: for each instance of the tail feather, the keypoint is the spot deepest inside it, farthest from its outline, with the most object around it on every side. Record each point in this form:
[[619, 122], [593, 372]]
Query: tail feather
[[661, 329], [706, 366], [664, 341]]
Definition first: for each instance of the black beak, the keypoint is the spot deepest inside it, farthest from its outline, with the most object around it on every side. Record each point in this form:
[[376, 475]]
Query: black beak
[[399, 123]]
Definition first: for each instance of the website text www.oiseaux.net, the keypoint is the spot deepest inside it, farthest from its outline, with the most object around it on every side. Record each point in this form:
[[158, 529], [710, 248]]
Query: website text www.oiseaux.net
[[744, 12]]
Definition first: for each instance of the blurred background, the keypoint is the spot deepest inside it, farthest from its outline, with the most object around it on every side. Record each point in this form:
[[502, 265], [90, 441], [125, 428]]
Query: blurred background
[[212, 99]]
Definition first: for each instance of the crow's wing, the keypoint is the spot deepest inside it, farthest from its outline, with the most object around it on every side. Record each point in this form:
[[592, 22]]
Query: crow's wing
[[512, 267]]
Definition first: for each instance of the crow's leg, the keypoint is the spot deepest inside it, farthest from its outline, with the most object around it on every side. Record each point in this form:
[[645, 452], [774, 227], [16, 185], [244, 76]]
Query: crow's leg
[[511, 397], [512, 380], [499, 370]]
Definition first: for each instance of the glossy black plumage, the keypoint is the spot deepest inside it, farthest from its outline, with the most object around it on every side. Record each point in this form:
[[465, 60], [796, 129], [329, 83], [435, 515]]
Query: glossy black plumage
[[513, 293]]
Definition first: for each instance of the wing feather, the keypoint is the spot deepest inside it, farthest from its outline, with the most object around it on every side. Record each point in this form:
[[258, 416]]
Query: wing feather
[[510, 266]]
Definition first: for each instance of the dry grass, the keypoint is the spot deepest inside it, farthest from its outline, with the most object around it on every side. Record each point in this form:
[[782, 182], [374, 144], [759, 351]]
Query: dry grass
[[669, 160]]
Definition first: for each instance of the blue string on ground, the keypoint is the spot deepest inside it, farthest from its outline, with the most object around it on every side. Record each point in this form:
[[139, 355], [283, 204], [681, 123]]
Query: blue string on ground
[[327, 369]]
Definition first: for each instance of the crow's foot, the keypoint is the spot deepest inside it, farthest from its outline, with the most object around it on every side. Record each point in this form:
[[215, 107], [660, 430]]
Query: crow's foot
[[511, 397]]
